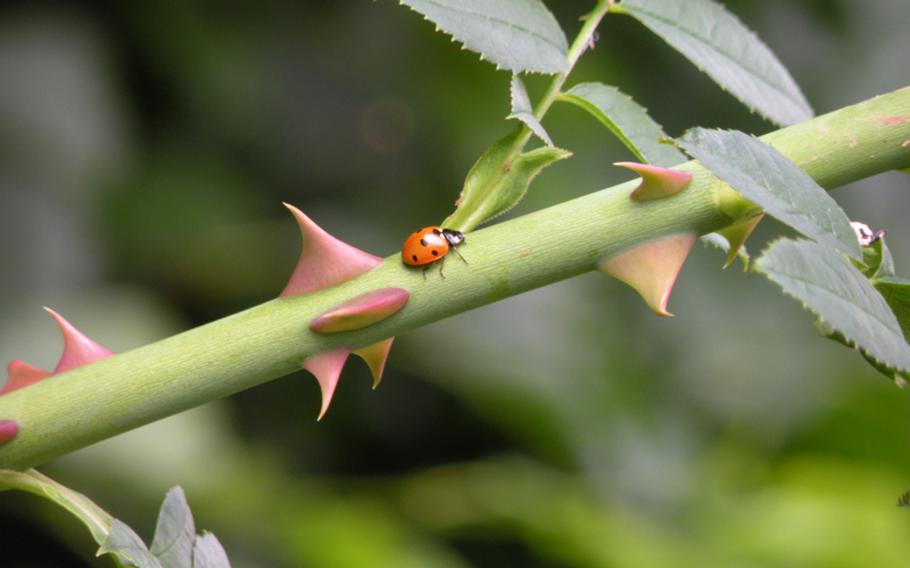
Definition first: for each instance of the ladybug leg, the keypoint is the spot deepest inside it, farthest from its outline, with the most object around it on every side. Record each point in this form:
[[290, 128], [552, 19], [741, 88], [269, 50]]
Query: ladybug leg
[[441, 264], [455, 250], [425, 268]]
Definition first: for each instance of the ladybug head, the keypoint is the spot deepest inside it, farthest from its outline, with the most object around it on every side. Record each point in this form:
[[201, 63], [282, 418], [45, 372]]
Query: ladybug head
[[453, 237]]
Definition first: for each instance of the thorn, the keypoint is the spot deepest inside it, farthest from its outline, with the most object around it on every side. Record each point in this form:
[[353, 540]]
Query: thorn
[[20, 374], [326, 367], [376, 356], [651, 268], [78, 349], [737, 234], [656, 182], [324, 260], [8, 430], [361, 311]]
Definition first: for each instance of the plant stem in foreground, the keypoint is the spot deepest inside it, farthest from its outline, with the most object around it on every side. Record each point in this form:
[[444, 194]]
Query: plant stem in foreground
[[74, 409]]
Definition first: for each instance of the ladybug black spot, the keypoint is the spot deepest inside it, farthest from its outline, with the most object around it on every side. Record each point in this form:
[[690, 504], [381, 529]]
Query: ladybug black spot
[[423, 242], [435, 252], [414, 257]]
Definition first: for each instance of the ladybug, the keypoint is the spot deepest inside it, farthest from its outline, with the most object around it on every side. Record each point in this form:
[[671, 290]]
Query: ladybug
[[429, 245]]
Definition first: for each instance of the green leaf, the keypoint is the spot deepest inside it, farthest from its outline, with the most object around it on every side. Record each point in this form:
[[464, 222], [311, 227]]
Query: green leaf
[[497, 182], [522, 110], [851, 309], [97, 520], [175, 533], [627, 120], [126, 545], [208, 553], [518, 35], [719, 44], [896, 292], [766, 177]]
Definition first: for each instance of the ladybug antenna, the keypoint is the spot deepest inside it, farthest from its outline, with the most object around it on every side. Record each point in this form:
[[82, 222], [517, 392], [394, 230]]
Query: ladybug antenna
[[455, 250]]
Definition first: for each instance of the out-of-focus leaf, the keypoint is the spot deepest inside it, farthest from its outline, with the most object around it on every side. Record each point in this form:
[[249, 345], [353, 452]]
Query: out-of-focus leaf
[[627, 120], [719, 44], [126, 545], [496, 183], [175, 533], [896, 292], [767, 178], [832, 288], [208, 553], [521, 110], [518, 35]]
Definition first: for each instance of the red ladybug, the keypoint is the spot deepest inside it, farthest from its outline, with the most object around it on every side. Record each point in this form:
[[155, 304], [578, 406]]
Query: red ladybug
[[429, 245]]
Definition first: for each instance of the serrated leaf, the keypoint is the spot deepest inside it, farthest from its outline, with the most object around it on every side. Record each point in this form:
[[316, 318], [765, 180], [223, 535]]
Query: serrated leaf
[[208, 553], [896, 292], [518, 35], [767, 178], [175, 532], [522, 110], [627, 120], [833, 289], [497, 182], [126, 545], [719, 44]]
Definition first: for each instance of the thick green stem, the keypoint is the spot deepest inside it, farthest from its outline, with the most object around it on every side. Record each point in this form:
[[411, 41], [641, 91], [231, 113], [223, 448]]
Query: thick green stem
[[91, 403]]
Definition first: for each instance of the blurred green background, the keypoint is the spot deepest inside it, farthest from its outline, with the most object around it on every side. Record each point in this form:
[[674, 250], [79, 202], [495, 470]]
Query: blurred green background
[[145, 148]]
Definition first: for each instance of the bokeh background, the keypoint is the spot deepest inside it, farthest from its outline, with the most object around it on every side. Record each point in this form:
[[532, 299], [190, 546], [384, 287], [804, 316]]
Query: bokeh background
[[145, 148]]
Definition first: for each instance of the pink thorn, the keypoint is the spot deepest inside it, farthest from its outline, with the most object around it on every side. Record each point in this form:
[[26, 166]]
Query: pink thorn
[[376, 356], [326, 367], [20, 374], [361, 311], [651, 268], [656, 182], [8, 430], [324, 260], [78, 349]]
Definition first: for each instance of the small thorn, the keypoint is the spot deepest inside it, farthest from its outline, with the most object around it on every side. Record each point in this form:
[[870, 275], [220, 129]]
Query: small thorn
[[20, 374], [361, 311], [8, 430], [78, 349], [656, 182], [375, 356], [326, 367], [737, 234], [324, 260], [651, 268]]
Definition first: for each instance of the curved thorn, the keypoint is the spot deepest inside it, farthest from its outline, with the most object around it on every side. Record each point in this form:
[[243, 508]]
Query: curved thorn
[[737, 234], [20, 374], [324, 260], [361, 311], [656, 182], [78, 349], [651, 268], [376, 356], [326, 367]]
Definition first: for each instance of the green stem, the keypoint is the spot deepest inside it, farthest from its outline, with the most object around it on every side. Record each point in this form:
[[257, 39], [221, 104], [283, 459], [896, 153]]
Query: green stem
[[578, 47], [91, 403]]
